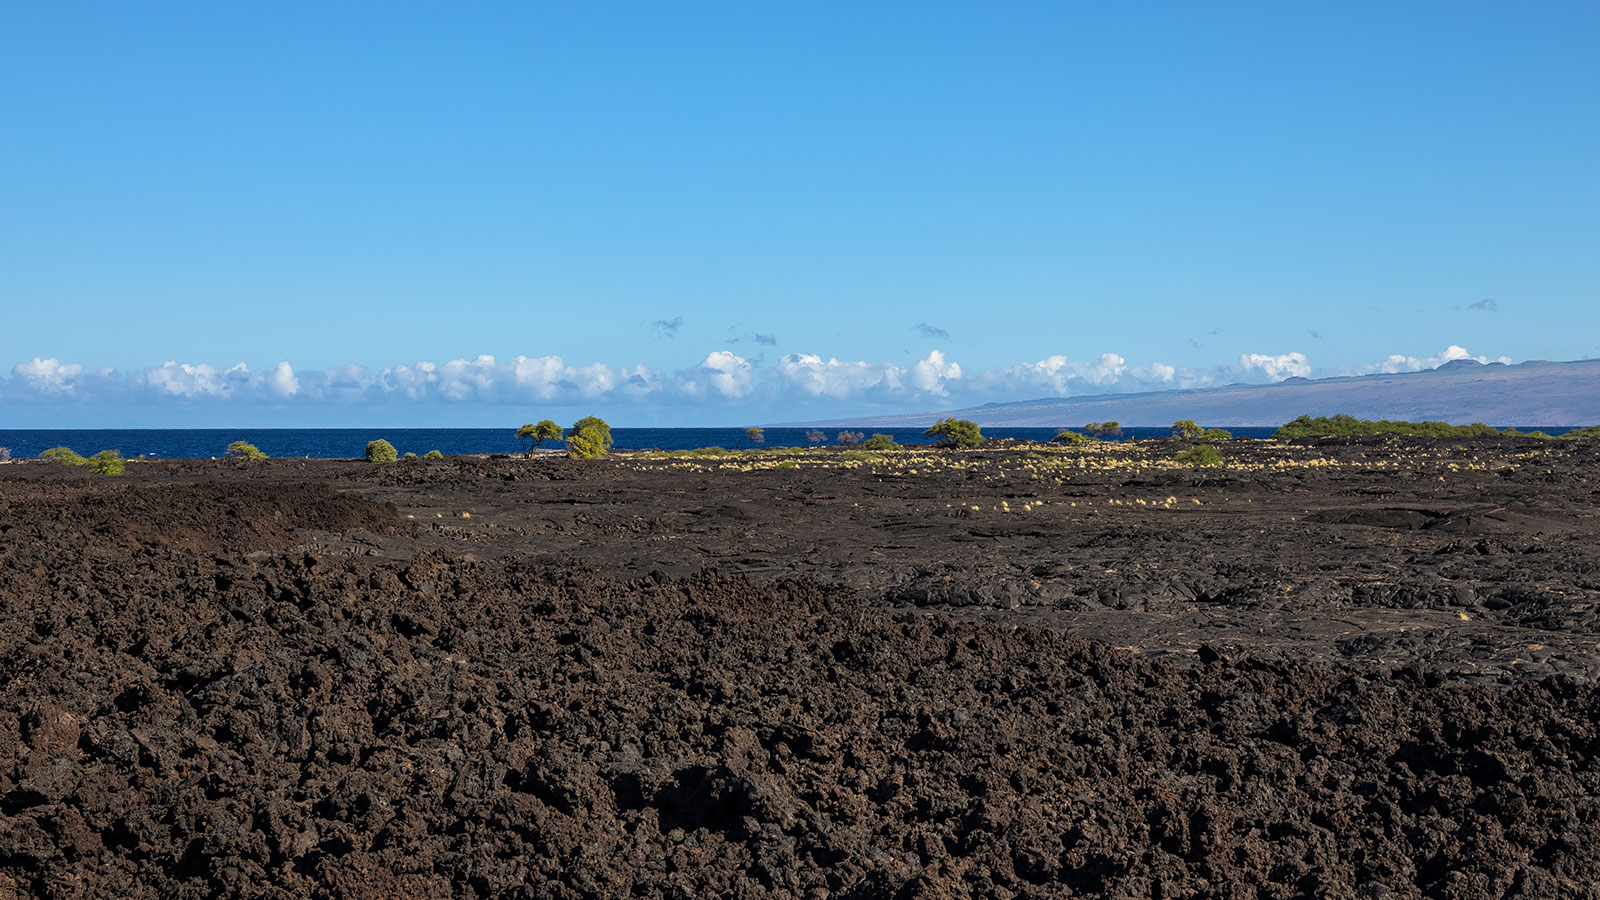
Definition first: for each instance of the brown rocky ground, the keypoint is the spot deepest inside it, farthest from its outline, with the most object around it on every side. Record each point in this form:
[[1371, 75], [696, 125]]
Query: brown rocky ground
[[1337, 669]]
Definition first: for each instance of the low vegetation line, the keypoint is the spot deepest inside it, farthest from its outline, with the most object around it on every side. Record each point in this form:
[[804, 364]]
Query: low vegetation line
[[1327, 426]]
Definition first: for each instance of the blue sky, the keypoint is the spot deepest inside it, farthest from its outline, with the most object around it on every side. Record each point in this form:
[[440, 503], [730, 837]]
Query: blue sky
[[702, 214]]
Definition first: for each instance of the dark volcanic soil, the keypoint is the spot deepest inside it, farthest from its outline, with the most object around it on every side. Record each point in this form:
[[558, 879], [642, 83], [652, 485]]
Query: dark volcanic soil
[[688, 678]]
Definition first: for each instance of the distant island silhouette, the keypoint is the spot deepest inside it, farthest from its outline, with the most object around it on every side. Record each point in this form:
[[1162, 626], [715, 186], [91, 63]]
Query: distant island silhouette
[[1537, 392]]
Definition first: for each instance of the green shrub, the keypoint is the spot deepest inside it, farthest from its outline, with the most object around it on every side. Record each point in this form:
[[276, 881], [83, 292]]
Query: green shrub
[[65, 456], [1098, 430], [1580, 434], [1200, 455], [787, 464], [381, 451], [409, 455], [880, 442], [581, 445], [956, 433], [1324, 426], [589, 438], [242, 450], [1186, 430], [106, 462], [686, 454], [433, 454], [1064, 436]]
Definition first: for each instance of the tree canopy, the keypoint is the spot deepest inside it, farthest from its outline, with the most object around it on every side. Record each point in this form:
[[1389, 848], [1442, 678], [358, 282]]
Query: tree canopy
[[535, 433], [589, 438], [956, 433], [245, 450], [880, 442], [1186, 430]]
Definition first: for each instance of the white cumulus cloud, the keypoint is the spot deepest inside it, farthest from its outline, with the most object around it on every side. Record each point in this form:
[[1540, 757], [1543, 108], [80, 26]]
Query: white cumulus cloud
[[795, 382], [282, 381], [727, 373], [1276, 368], [1061, 376], [50, 376], [932, 373], [809, 376], [1401, 363], [198, 380]]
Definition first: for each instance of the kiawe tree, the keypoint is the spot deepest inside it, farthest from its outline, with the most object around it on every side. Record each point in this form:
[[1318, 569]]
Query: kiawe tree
[[245, 450], [756, 437], [956, 433], [1186, 430], [534, 434], [1103, 429]]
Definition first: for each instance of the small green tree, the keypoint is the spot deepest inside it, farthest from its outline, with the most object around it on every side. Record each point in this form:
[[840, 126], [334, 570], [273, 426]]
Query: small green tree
[[106, 462], [1216, 434], [433, 454], [534, 434], [1200, 455], [1099, 430], [756, 437], [880, 442], [64, 455], [242, 450], [381, 451], [956, 433], [1067, 436], [589, 438], [1186, 430]]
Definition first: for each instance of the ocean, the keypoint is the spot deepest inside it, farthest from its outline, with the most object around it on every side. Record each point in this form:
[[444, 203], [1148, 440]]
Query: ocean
[[334, 443], [200, 443]]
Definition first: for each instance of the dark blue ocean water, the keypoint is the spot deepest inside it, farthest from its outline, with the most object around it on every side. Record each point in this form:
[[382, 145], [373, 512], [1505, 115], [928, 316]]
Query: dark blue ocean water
[[191, 443]]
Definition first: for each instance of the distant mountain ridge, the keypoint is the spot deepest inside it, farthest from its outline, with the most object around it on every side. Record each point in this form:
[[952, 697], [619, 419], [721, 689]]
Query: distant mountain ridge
[[1537, 392]]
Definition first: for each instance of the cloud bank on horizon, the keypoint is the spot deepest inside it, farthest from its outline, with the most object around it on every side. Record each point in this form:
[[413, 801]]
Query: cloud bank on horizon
[[796, 385]]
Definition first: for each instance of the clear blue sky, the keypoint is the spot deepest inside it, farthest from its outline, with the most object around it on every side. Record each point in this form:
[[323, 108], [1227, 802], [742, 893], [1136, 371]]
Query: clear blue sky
[[724, 213]]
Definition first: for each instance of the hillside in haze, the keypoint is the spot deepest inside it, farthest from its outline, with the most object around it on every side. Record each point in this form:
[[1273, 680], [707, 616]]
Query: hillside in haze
[[1530, 393]]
